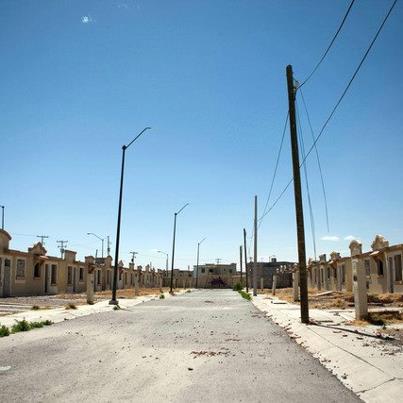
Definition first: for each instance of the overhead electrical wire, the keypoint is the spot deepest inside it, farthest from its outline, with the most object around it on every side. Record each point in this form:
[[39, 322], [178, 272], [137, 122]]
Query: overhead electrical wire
[[318, 161], [330, 44], [308, 192], [276, 165], [358, 68]]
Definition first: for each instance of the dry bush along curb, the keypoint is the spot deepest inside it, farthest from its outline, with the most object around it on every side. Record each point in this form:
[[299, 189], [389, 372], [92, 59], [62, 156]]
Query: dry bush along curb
[[23, 326]]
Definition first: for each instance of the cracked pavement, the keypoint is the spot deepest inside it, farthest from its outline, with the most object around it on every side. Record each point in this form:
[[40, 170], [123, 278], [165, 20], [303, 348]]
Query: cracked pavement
[[207, 345]]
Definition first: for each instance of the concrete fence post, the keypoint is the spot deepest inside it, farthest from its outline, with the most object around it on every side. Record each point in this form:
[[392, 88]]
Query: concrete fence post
[[90, 265], [359, 281], [136, 284], [274, 285]]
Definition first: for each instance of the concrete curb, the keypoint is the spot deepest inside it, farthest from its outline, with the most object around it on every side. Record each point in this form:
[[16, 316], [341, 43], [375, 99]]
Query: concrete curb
[[371, 368]]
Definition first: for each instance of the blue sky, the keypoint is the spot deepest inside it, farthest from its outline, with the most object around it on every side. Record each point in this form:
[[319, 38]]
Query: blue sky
[[81, 78]]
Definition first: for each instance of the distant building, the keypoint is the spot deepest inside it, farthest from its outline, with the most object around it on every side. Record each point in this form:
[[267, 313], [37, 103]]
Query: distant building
[[215, 275], [265, 271]]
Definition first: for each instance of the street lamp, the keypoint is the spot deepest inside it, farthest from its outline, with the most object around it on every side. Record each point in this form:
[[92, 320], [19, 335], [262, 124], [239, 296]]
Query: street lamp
[[166, 262], [197, 264], [2, 216], [101, 239], [114, 301], [173, 247]]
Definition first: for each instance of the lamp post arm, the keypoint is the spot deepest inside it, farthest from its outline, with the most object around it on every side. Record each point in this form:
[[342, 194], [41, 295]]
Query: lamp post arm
[[126, 147]]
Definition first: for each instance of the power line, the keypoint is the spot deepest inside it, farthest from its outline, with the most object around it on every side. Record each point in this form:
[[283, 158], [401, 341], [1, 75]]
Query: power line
[[331, 43], [318, 161], [336, 105], [311, 216], [276, 166]]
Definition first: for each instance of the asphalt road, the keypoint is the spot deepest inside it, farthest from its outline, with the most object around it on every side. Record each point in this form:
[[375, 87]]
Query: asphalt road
[[210, 346]]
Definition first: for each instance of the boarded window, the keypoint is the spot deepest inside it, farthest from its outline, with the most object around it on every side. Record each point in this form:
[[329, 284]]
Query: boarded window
[[53, 274], [398, 268], [20, 272]]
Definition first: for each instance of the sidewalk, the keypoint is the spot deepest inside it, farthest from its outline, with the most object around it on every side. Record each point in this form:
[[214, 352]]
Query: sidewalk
[[371, 367], [57, 315]]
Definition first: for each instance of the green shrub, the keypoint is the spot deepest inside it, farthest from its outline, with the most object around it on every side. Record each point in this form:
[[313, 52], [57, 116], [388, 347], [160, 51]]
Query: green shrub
[[116, 308], [71, 306], [188, 290], [245, 295], [20, 326], [237, 287], [47, 322], [4, 331], [35, 308], [35, 325], [162, 296]]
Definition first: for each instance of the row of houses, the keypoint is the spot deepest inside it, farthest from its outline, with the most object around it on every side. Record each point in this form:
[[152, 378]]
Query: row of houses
[[34, 272], [382, 264]]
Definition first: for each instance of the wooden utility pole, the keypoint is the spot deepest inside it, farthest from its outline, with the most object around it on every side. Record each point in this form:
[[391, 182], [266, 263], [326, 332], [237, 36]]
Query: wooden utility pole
[[240, 260], [298, 198], [246, 260], [255, 252]]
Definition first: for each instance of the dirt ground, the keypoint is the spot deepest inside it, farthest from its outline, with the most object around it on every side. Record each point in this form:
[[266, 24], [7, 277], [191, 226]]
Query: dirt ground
[[339, 300], [391, 315], [64, 300]]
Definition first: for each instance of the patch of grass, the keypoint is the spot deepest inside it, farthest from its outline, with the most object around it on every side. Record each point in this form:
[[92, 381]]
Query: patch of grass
[[4, 331], [71, 306], [20, 326], [35, 308], [162, 296], [245, 295], [237, 287]]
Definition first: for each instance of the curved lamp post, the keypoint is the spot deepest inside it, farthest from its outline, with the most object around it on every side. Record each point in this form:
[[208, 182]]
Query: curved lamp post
[[101, 239], [197, 264], [166, 261], [114, 301], [173, 247]]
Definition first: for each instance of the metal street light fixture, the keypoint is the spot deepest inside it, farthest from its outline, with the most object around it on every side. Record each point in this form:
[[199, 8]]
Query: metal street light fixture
[[101, 239], [2, 216], [197, 264], [166, 262], [114, 301], [173, 247]]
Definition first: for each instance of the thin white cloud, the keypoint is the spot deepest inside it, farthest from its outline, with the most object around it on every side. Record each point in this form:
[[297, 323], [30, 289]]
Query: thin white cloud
[[86, 19], [332, 238], [349, 237]]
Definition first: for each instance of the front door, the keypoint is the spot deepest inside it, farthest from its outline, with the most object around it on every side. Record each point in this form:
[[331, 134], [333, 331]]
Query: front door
[[74, 279], [46, 278], [6, 277]]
